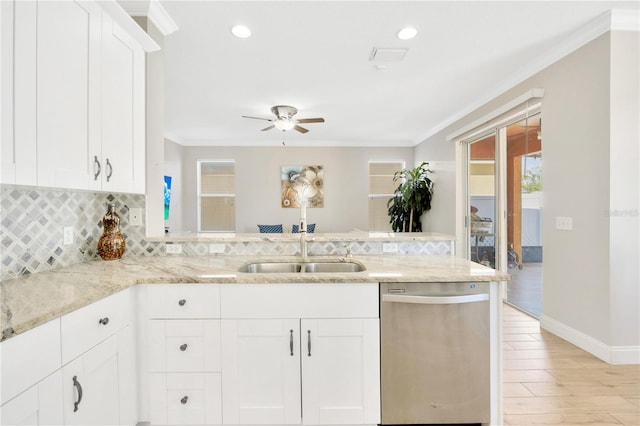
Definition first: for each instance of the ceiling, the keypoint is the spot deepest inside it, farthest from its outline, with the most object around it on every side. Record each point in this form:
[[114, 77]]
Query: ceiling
[[315, 55]]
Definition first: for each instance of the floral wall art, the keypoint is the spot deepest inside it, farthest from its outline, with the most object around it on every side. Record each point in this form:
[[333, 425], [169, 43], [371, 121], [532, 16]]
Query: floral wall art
[[302, 185]]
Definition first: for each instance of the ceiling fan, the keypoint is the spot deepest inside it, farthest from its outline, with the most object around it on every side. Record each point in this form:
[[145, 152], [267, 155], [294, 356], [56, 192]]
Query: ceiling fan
[[284, 119]]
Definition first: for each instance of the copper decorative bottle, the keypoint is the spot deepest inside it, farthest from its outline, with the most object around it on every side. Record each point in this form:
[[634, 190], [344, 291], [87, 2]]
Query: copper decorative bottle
[[111, 244]]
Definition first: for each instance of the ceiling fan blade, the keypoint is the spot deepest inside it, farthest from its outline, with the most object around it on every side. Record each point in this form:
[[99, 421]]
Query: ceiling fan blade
[[311, 120], [300, 129], [268, 128], [257, 118]]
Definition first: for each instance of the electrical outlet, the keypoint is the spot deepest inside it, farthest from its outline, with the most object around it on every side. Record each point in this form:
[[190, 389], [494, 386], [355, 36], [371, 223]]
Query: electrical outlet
[[216, 248], [67, 235], [564, 223], [173, 248], [135, 216], [389, 247]]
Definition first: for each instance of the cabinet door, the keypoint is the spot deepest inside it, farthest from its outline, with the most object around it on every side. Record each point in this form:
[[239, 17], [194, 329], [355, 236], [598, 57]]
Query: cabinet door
[[261, 371], [94, 375], [68, 106], [18, 101], [39, 405], [340, 371], [123, 120]]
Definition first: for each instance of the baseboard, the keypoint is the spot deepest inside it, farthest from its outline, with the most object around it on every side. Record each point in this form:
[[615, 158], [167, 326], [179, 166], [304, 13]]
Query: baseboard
[[616, 355]]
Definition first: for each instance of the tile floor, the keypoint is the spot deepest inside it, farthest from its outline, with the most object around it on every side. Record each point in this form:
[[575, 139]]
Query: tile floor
[[548, 381]]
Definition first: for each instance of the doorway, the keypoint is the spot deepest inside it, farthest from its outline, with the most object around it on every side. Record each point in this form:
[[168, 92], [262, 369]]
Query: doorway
[[505, 206]]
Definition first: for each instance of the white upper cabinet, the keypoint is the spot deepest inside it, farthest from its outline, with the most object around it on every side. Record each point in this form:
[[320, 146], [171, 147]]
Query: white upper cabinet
[[18, 100], [72, 98], [121, 150], [68, 104]]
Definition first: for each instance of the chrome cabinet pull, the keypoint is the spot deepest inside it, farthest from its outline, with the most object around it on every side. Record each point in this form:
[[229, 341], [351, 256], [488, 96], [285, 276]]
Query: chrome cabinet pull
[[103, 321], [291, 342], [96, 165], [184, 400], [183, 347], [78, 387], [308, 342], [182, 302], [110, 170]]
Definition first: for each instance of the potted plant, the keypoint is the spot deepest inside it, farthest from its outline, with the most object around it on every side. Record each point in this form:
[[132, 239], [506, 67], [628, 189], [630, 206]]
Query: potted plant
[[411, 198]]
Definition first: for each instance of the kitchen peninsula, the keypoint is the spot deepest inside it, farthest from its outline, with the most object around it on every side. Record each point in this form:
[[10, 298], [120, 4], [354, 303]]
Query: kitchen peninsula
[[141, 286]]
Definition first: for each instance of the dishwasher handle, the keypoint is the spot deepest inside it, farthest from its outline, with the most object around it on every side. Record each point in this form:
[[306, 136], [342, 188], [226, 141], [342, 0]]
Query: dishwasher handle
[[435, 300]]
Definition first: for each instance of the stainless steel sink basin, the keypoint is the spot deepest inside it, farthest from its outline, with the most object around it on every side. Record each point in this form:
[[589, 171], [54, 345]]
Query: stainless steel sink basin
[[336, 267], [271, 267], [297, 267]]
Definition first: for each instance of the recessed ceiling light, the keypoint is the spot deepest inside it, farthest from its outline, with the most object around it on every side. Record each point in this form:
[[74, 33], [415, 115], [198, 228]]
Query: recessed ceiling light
[[241, 31], [407, 33]]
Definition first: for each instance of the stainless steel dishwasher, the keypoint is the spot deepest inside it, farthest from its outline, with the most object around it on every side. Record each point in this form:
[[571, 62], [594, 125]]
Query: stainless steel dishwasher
[[434, 353]]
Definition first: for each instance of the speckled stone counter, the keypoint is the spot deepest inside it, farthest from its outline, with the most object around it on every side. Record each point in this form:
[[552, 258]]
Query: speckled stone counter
[[34, 299]]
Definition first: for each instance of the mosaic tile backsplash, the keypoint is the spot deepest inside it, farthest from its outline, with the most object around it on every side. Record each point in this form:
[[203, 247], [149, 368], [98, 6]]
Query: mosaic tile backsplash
[[32, 222]]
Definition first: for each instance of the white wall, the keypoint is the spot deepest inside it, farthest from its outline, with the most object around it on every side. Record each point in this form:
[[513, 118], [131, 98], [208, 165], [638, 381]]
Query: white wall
[[624, 186], [586, 292], [441, 158], [346, 184]]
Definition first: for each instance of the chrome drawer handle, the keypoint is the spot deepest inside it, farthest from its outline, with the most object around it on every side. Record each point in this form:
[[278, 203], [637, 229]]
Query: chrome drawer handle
[[96, 167], [184, 400], [291, 342], [104, 321], [78, 387], [110, 170], [183, 347], [182, 302], [308, 342]]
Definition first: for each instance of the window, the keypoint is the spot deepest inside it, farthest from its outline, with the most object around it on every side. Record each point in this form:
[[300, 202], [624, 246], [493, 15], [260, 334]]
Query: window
[[381, 188], [216, 196]]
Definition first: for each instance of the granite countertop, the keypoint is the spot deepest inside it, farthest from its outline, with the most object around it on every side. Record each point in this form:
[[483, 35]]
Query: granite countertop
[[34, 299]]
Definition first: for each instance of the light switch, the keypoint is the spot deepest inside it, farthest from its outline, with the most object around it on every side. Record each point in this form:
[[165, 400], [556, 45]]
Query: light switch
[[564, 223], [216, 248], [67, 233]]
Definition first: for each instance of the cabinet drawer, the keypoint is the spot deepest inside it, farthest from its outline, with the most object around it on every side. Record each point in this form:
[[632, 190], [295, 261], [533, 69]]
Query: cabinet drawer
[[88, 326], [184, 345], [29, 357], [184, 301], [186, 398]]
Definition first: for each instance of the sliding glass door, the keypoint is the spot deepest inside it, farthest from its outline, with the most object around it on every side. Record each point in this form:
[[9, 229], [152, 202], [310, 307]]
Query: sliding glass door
[[504, 206]]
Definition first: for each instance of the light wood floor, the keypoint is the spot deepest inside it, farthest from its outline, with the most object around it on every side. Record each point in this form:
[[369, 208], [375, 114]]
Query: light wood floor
[[548, 381]]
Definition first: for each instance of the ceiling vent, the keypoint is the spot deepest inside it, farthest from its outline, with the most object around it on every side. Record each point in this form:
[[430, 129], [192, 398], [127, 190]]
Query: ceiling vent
[[387, 55]]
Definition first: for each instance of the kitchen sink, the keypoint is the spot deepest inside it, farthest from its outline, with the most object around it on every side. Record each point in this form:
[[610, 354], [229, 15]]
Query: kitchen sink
[[319, 267], [271, 267], [297, 267]]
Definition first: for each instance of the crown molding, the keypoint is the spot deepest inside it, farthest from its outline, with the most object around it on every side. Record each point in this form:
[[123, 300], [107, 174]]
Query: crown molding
[[612, 20], [154, 11], [161, 18], [625, 20]]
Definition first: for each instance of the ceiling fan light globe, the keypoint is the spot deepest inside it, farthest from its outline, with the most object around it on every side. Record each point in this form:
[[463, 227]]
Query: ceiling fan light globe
[[284, 124]]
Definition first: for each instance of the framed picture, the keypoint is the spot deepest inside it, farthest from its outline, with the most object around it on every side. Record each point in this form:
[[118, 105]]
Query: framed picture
[[302, 185]]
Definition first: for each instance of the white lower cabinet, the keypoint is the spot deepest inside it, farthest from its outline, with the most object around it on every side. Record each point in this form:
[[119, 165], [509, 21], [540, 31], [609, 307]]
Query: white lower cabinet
[[261, 371], [99, 386], [39, 405], [270, 365], [340, 371], [183, 354]]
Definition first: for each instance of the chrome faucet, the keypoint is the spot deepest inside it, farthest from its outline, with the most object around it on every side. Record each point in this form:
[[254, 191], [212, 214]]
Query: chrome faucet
[[303, 231]]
